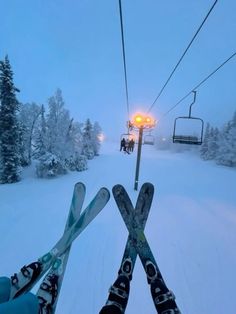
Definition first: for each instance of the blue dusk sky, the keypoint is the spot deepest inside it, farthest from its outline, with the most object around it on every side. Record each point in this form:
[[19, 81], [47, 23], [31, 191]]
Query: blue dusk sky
[[76, 45]]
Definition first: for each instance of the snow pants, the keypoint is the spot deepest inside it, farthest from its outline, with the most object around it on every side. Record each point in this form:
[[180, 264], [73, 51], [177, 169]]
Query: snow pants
[[25, 304]]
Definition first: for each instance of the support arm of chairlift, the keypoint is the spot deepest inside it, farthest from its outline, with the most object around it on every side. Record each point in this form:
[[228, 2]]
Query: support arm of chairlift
[[194, 99]]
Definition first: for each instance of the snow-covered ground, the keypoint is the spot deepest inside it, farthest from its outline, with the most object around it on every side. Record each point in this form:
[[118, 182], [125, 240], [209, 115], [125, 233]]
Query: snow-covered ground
[[191, 230]]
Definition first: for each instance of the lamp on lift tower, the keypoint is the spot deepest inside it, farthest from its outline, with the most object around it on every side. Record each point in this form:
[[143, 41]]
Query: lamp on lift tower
[[140, 122]]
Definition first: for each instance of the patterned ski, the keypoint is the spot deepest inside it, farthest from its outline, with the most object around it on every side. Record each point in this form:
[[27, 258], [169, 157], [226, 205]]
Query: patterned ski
[[141, 212], [163, 298], [59, 266], [43, 264], [119, 292]]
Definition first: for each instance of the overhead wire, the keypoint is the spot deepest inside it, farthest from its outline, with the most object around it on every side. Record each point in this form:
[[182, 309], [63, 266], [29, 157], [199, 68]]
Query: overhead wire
[[124, 58], [182, 56], [199, 84]]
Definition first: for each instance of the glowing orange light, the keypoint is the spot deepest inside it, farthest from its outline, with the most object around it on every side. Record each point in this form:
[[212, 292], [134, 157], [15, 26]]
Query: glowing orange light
[[141, 120], [138, 119]]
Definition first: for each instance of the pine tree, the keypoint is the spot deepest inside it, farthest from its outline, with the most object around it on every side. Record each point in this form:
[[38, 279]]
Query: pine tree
[[58, 123], [88, 149], [227, 150], [213, 144], [28, 116], [22, 145], [9, 127], [54, 142], [205, 145], [41, 136]]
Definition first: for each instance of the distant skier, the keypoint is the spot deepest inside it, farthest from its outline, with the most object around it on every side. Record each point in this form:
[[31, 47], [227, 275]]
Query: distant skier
[[131, 145], [122, 144]]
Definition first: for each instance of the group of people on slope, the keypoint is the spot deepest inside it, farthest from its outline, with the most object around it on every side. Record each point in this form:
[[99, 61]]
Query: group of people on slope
[[127, 145]]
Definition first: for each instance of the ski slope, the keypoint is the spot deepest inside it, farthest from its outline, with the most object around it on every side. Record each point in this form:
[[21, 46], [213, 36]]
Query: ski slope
[[191, 230]]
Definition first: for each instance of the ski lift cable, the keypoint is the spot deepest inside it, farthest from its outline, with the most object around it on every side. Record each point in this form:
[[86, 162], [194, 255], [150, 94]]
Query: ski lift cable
[[124, 59], [181, 58], [199, 84]]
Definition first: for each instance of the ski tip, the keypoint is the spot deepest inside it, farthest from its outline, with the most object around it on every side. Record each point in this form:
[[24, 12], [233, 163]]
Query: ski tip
[[149, 186], [79, 185], [117, 188], [105, 192]]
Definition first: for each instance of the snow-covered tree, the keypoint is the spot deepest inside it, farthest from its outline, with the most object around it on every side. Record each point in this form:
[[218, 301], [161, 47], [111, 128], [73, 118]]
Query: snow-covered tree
[[88, 144], [59, 141], [77, 162], [50, 166], [28, 116], [213, 144], [51, 148], [58, 125], [9, 127], [40, 145], [74, 146], [22, 145], [205, 145], [227, 144]]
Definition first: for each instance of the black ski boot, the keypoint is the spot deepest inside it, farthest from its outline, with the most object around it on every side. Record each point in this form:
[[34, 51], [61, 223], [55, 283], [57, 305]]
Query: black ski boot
[[47, 294], [119, 291], [24, 278], [151, 271], [164, 299], [126, 268]]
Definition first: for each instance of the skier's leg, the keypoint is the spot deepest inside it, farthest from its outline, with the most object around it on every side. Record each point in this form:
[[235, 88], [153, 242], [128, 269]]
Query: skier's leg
[[119, 291], [118, 296], [163, 298], [110, 309], [23, 279], [48, 293], [5, 288], [25, 304]]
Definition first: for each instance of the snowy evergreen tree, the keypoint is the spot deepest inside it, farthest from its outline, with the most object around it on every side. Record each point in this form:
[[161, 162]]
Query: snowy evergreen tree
[[205, 145], [59, 142], [227, 144], [213, 144], [22, 145], [53, 138], [88, 144], [74, 146], [77, 162], [58, 125], [9, 127], [49, 166], [28, 116], [40, 146]]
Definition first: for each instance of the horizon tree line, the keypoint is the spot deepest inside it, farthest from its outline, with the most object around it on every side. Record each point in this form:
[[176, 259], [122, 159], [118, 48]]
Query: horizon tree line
[[48, 135]]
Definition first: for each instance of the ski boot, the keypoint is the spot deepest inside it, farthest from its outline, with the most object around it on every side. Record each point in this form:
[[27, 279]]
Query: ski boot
[[47, 294], [21, 281], [119, 291], [126, 268], [163, 298]]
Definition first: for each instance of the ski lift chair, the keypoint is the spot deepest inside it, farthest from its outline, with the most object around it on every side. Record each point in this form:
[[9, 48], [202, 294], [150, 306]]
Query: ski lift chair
[[184, 136], [149, 139], [127, 136]]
